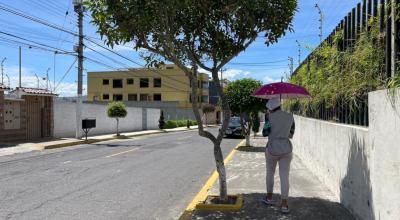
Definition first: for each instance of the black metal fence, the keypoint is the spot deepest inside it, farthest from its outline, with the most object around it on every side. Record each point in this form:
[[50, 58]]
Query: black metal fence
[[386, 13]]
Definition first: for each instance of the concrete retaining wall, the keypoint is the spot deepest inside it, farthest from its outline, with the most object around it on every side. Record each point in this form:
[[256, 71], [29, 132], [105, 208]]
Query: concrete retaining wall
[[64, 119], [360, 165]]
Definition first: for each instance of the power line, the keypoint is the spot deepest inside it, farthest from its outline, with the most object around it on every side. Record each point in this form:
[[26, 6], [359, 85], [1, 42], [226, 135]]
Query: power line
[[35, 19]]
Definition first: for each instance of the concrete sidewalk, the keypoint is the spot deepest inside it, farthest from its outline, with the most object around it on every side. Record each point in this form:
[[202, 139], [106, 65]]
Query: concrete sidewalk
[[309, 198], [23, 147]]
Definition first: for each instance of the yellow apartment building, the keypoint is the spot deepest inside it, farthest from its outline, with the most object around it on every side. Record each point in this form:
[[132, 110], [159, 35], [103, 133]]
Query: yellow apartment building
[[167, 83]]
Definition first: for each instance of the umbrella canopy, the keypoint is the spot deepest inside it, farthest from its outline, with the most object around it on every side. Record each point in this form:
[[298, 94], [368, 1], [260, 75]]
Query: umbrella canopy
[[281, 90]]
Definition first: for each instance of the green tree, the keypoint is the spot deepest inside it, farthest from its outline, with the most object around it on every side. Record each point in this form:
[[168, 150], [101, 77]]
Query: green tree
[[206, 34], [206, 109], [116, 110], [238, 95]]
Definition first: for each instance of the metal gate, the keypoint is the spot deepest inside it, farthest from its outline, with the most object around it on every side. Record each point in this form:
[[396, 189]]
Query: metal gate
[[33, 117]]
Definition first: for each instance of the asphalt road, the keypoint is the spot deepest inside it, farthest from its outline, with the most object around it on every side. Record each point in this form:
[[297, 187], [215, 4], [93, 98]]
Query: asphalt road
[[150, 177]]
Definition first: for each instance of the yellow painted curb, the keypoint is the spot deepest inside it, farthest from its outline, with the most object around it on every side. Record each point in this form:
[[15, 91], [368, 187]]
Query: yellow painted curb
[[202, 194], [223, 207]]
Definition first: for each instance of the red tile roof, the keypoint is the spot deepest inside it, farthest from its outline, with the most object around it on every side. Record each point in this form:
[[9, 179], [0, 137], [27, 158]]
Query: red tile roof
[[35, 91]]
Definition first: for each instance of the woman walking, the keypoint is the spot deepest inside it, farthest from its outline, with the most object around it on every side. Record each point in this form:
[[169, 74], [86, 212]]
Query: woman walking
[[279, 128]]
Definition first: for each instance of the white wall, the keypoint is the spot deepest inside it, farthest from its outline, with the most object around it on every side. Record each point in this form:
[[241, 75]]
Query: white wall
[[64, 119], [339, 156], [384, 111], [360, 165], [153, 115]]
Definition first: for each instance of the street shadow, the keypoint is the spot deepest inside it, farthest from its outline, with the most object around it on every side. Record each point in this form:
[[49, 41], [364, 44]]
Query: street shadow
[[355, 188], [119, 145], [251, 149], [300, 208], [233, 137]]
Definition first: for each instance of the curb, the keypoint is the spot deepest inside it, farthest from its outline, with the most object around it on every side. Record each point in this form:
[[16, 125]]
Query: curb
[[202, 194]]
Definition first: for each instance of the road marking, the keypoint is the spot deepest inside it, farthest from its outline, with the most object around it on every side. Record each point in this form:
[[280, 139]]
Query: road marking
[[67, 162], [123, 152], [202, 194]]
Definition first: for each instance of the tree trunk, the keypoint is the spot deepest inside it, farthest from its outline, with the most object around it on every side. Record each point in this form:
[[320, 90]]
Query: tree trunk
[[248, 140], [117, 126], [216, 140], [219, 161]]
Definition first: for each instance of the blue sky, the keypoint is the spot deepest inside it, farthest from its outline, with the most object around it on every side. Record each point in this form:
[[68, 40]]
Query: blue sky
[[267, 64]]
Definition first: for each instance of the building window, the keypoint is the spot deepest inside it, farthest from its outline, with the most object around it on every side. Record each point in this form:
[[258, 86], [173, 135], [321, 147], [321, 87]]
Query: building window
[[157, 82], [190, 98], [205, 85], [132, 97], [157, 97], [106, 82], [129, 81], [106, 97], [117, 97], [144, 97], [144, 82], [117, 83], [95, 98]]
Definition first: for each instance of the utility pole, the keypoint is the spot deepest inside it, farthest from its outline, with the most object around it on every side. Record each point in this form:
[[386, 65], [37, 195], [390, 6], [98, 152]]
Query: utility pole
[[78, 7], [20, 68], [291, 65], [37, 78], [299, 45], [9, 82], [321, 22], [2, 70], [47, 78]]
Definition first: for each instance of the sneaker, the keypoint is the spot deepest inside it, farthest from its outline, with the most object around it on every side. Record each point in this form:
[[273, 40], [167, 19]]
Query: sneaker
[[268, 201], [285, 209]]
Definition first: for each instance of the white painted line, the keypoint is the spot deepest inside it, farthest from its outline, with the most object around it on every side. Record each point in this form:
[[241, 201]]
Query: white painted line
[[67, 162], [123, 152]]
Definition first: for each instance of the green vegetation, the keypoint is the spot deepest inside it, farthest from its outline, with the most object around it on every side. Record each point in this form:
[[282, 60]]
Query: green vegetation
[[337, 78], [241, 103], [116, 110], [179, 123]]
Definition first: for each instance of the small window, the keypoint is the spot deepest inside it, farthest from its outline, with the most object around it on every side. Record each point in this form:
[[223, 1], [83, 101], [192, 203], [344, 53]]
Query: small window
[[129, 81], [95, 98], [106, 82], [117, 97], [157, 82], [106, 97], [117, 83], [144, 97], [132, 97], [157, 97], [144, 82], [170, 68]]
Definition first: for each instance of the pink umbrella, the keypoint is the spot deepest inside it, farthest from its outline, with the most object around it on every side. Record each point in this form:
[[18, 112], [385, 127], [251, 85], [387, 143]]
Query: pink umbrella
[[281, 90]]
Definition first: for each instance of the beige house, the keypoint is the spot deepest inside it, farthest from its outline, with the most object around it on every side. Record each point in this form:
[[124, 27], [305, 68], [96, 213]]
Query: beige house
[[167, 84]]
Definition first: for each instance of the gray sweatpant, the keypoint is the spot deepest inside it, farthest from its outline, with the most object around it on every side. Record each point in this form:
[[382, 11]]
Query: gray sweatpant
[[284, 167]]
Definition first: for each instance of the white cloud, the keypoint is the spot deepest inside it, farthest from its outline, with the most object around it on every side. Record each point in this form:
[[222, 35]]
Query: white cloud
[[229, 73], [30, 80], [268, 79]]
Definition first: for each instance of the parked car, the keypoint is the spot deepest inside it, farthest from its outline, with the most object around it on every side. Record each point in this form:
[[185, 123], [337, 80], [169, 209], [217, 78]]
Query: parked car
[[234, 128]]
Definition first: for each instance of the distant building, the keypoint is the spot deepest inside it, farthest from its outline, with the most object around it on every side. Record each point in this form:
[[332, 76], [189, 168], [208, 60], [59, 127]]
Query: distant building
[[166, 84], [213, 94]]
